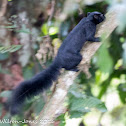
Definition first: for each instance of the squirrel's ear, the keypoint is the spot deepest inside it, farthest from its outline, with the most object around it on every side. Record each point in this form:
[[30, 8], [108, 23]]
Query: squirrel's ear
[[88, 13]]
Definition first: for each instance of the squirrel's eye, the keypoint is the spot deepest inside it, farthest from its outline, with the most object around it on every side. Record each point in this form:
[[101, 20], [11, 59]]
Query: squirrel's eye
[[96, 16]]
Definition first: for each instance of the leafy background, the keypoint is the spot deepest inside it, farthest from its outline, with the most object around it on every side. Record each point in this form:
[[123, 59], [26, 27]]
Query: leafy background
[[31, 33]]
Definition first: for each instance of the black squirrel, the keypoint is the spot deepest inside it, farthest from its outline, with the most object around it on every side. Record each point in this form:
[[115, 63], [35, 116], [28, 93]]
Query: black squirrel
[[68, 57]]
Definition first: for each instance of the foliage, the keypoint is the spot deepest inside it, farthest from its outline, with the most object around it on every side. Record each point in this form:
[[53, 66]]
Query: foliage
[[79, 103], [108, 66], [11, 49]]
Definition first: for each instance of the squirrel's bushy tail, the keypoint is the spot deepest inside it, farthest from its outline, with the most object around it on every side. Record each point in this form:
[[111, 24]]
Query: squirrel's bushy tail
[[34, 86]]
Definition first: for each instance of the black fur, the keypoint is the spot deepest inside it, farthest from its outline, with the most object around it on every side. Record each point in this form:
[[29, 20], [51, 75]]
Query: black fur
[[68, 57]]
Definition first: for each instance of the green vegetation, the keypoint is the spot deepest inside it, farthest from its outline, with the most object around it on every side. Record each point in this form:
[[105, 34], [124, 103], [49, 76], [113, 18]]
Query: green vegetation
[[31, 46]]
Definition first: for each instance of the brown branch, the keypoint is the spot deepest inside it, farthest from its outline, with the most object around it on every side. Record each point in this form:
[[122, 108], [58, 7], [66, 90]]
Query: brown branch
[[53, 4], [56, 104], [3, 8]]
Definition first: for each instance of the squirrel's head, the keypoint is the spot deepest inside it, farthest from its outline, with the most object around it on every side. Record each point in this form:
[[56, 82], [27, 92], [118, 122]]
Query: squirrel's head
[[96, 17]]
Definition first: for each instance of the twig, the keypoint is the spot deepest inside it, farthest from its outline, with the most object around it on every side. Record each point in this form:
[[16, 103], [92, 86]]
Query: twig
[[56, 104], [100, 118], [53, 4]]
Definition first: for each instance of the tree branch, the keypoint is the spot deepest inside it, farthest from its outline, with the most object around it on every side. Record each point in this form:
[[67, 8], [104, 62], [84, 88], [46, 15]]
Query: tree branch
[[3, 8], [56, 104]]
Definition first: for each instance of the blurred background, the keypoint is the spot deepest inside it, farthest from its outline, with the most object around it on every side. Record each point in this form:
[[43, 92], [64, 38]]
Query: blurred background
[[31, 31]]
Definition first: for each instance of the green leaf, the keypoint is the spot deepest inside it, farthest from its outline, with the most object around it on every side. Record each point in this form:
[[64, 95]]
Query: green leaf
[[121, 18], [122, 92], [104, 61], [105, 84], [4, 56], [86, 104], [13, 48], [5, 94], [53, 30], [28, 72], [24, 31], [44, 29], [81, 103], [77, 94], [101, 107], [9, 27], [124, 54], [75, 114], [61, 118], [104, 87]]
